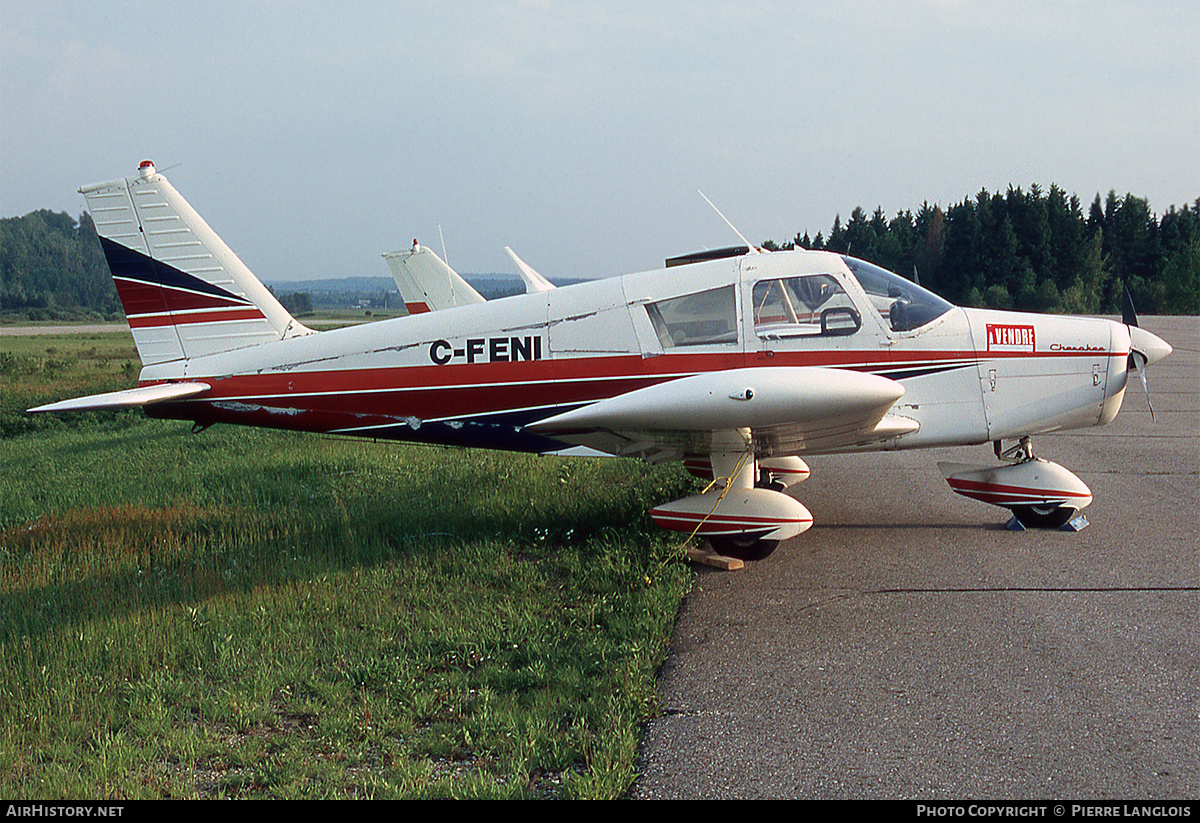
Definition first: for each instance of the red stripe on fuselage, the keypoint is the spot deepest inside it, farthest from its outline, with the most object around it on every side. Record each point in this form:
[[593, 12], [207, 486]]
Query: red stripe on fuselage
[[336, 399]]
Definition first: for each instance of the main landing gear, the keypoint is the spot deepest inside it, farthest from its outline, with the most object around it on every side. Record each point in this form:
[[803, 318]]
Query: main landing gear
[[1040, 494], [743, 547], [743, 513]]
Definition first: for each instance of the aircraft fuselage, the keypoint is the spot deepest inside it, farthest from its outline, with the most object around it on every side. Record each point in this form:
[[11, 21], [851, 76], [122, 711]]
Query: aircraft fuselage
[[477, 375]]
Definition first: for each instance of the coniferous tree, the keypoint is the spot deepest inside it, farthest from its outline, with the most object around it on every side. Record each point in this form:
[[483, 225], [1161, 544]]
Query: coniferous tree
[[1034, 250]]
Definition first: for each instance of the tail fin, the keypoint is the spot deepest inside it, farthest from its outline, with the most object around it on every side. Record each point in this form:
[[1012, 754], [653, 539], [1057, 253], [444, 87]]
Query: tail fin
[[185, 293], [426, 283], [533, 281]]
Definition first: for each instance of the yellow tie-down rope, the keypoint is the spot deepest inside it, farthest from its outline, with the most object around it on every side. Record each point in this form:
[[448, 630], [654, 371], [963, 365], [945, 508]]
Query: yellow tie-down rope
[[682, 547], [728, 485]]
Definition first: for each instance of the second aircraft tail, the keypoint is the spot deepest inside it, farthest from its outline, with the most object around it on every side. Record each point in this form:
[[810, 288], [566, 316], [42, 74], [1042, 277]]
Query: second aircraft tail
[[426, 282]]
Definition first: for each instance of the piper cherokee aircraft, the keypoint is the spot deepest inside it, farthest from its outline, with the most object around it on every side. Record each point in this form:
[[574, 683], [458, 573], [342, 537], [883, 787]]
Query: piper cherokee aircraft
[[735, 362]]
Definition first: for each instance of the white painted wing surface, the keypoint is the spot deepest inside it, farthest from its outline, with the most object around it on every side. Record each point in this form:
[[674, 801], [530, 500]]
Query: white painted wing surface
[[788, 409]]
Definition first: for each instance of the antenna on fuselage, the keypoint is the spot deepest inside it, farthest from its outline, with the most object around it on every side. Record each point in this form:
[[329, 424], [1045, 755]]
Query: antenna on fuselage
[[446, 260], [751, 246]]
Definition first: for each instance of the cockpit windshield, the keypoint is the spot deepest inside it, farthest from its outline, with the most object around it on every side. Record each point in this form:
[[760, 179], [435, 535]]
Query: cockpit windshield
[[904, 304]]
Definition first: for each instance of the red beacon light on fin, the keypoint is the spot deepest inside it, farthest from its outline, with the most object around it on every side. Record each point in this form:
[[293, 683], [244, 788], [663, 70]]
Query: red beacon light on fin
[[146, 168]]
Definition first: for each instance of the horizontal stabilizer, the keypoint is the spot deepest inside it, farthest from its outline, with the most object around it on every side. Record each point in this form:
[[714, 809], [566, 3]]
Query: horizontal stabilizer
[[129, 398]]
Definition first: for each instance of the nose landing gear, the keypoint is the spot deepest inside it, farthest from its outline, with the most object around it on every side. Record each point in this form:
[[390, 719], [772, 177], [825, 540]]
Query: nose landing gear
[[1040, 494]]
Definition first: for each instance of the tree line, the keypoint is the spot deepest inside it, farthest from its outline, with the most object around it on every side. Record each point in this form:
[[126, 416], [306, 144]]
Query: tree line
[[1030, 250], [52, 268], [1034, 250]]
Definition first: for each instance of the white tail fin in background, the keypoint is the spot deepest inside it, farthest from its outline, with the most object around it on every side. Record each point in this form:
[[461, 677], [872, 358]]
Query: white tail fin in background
[[185, 293], [426, 282], [533, 281]]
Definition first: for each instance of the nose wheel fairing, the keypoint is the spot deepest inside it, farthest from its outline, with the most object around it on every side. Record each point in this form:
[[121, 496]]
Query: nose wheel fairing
[[1040, 494]]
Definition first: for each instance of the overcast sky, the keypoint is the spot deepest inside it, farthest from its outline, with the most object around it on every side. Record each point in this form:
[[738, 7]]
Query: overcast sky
[[315, 136]]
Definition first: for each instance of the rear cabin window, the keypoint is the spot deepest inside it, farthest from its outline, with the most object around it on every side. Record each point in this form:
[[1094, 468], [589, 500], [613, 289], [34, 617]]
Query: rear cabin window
[[702, 319], [815, 304]]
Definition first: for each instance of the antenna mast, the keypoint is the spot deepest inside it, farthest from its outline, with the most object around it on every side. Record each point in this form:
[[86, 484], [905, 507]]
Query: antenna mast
[[753, 248], [446, 260]]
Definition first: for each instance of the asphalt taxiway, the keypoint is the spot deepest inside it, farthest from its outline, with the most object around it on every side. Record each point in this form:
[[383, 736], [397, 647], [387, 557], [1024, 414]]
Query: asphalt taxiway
[[909, 646]]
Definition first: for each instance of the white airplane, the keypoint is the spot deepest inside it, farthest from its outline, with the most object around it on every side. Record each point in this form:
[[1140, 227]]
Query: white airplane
[[427, 283], [735, 362]]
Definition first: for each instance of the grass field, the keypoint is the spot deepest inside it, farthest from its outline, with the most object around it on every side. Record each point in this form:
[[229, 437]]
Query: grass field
[[256, 614]]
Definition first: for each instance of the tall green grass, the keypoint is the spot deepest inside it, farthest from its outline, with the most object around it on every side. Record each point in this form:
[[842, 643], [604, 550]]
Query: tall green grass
[[244, 613], [40, 369]]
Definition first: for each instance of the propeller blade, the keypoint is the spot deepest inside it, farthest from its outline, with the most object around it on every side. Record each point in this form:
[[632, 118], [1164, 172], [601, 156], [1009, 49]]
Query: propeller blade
[[1144, 347], [1128, 315], [1137, 362]]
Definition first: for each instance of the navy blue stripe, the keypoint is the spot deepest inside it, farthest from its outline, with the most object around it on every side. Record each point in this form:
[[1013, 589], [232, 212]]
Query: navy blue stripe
[[133, 265], [905, 374], [495, 430]]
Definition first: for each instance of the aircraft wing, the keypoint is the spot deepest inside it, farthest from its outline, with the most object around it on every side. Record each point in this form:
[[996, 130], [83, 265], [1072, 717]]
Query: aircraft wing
[[129, 398], [788, 410]]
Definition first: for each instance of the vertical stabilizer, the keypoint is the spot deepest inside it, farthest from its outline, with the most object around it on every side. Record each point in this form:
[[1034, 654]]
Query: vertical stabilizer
[[426, 283], [185, 293], [534, 282]]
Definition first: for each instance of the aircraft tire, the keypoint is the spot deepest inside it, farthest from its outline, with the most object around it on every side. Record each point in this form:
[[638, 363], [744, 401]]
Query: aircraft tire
[[743, 548], [1043, 517]]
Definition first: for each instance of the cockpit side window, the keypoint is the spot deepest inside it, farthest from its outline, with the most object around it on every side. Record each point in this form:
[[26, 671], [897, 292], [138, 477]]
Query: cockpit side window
[[701, 319], [814, 304], [903, 304]]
